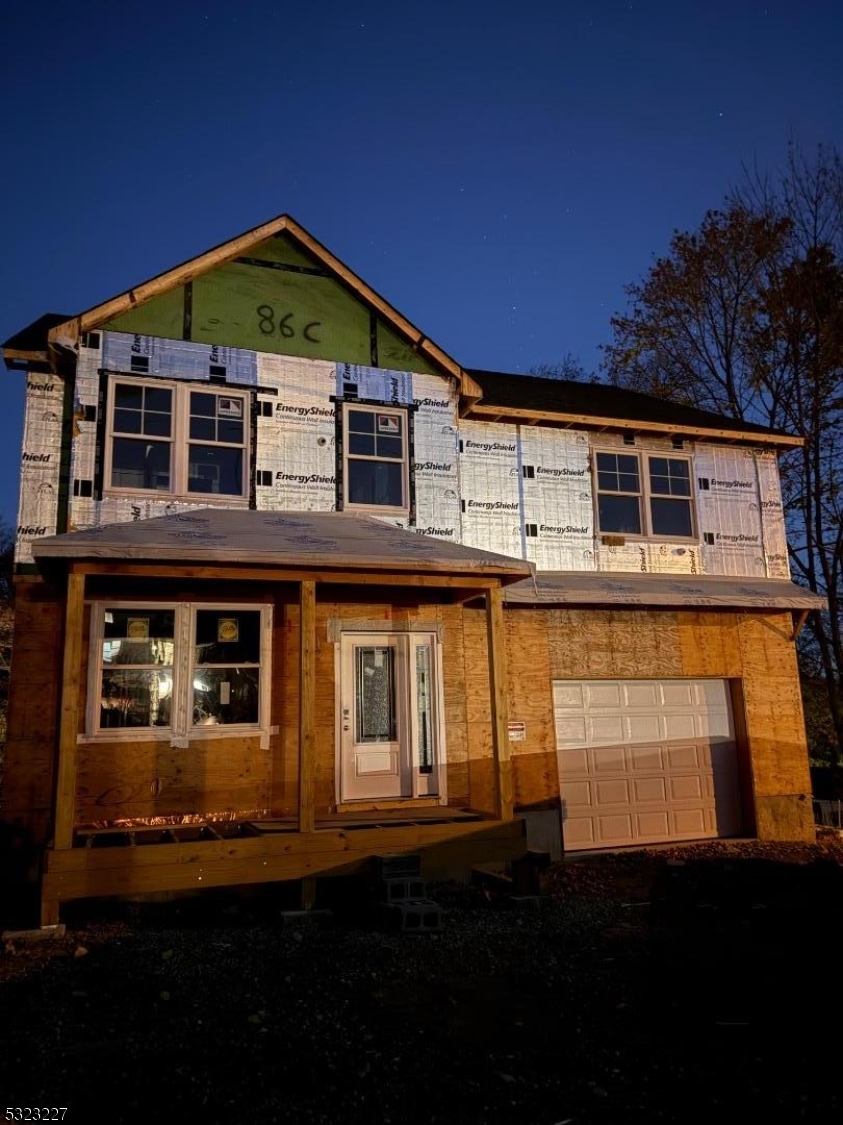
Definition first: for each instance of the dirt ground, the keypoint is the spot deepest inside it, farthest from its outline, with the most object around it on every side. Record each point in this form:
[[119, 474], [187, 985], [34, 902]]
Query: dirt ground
[[681, 985]]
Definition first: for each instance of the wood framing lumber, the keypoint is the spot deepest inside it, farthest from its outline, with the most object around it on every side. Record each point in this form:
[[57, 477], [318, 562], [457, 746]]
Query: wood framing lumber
[[307, 706], [65, 797], [496, 639]]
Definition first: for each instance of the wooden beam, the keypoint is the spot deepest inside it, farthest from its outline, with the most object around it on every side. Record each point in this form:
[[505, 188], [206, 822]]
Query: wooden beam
[[588, 421], [799, 623], [81, 872], [65, 799], [307, 706], [10, 354], [496, 639], [117, 568]]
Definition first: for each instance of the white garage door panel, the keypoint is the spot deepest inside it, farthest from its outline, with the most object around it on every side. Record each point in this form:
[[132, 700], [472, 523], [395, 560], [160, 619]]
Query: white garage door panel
[[606, 694], [570, 731], [679, 694], [569, 695], [688, 788], [612, 793], [680, 726], [608, 759], [574, 763], [654, 825], [641, 694], [688, 756], [644, 761], [647, 790], [605, 730]]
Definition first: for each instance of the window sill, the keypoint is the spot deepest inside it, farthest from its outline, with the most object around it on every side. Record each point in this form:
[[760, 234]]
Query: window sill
[[166, 734], [375, 510], [618, 539], [176, 497]]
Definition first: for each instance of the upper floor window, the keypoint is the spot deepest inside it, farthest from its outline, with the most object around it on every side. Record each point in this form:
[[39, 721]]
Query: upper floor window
[[177, 438], [653, 498], [376, 469]]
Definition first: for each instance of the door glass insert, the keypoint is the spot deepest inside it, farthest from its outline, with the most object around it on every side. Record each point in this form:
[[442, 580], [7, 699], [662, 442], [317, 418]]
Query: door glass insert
[[424, 706], [374, 674]]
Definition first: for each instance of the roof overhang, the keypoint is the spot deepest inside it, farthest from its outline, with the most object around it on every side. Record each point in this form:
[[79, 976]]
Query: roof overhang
[[589, 589], [482, 412], [331, 544]]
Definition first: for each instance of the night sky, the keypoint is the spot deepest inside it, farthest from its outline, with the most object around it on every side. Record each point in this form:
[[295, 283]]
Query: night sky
[[497, 171]]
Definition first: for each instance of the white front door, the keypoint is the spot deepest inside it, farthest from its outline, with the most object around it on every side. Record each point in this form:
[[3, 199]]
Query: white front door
[[390, 738]]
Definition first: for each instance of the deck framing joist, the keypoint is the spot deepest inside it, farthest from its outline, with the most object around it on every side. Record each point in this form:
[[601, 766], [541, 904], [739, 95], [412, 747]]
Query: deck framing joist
[[76, 873]]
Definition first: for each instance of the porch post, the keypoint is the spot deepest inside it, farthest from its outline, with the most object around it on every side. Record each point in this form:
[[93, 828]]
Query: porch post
[[307, 705], [498, 699], [65, 802]]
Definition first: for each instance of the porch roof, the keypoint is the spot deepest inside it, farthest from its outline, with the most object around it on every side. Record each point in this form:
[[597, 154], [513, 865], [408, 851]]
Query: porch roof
[[568, 588], [335, 540]]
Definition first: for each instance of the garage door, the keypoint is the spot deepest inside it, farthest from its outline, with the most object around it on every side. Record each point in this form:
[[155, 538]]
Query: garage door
[[644, 761]]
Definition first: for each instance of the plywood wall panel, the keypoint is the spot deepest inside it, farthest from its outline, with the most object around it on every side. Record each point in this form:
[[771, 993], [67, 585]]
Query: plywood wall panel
[[32, 718], [131, 780], [612, 644], [481, 771], [535, 773]]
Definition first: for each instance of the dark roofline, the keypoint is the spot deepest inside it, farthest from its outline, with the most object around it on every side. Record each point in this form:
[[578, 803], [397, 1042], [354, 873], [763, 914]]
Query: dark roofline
[[31, 342], [570, 401]]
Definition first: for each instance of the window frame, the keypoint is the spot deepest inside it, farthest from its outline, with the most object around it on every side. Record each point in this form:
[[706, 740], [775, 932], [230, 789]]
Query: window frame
[[179, 439], [645, 494], [182, 728], [374, 409]]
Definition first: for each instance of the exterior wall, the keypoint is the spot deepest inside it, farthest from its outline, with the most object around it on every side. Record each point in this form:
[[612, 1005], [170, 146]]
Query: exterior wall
[[229, 778], [523, 491]]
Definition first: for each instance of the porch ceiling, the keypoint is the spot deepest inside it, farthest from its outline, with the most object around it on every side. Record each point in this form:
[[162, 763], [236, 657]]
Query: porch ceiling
[[295, 540]]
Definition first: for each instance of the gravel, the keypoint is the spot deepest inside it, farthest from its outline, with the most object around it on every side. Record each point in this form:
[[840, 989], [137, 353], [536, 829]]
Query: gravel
[[680, 985]]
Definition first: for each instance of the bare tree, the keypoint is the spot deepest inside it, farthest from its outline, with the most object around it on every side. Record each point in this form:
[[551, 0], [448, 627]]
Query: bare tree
[[567, 368], [745, 317]]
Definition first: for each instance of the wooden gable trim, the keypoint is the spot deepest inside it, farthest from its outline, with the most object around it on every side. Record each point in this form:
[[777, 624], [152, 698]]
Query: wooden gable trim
[[480, 412], [425, 346], [70, 331], [162, 283], [15, 355]]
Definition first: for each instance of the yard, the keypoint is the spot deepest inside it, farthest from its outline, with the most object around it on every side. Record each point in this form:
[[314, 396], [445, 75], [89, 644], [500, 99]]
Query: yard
[[680, 985]]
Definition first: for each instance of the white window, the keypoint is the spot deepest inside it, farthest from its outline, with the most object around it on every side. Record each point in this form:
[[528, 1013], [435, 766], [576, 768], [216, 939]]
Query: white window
[[376, 469], [178, 438], [180, 670], [653, 500]]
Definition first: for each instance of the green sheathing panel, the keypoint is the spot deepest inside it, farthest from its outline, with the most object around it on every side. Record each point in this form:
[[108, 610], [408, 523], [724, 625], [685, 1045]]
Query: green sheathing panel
[[162, 316], [283, 249], [396, 354], [269, 308], [272, 310]]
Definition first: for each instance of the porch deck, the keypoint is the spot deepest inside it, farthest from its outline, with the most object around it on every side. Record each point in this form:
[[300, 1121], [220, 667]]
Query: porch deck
[[127, 861]]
